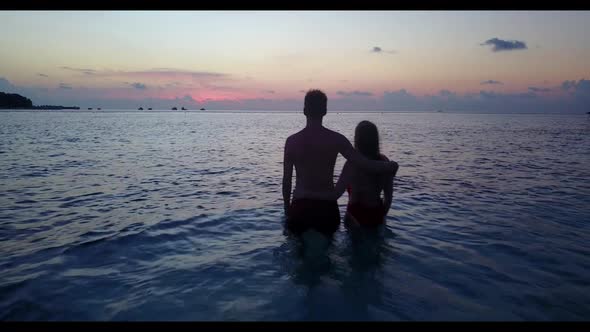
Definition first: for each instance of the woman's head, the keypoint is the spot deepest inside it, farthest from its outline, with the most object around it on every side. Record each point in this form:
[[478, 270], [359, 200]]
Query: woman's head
[[366, 139]]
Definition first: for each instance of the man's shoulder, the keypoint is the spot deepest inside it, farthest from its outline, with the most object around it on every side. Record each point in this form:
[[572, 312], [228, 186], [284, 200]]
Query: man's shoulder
[[294, 136], [292, 139], [334, 134]]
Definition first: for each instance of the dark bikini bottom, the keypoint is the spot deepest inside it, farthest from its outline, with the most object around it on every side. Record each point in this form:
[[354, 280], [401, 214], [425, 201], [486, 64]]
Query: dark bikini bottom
[[367, 216]]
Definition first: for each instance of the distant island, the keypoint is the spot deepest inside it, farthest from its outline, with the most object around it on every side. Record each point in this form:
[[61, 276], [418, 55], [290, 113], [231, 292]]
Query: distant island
[[16, 101]]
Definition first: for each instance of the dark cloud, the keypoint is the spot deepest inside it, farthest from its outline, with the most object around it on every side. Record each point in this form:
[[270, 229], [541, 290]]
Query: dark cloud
[[505, 45], [169, 72], [65, 86], [139, 86], [377, 49], [491, 82], [80, 70], [354, 93], [535, 89], [42, 75], [301, 91]]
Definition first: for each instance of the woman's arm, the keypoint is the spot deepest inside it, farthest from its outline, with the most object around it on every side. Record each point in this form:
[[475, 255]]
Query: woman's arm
[[387, 188], [287, 176]]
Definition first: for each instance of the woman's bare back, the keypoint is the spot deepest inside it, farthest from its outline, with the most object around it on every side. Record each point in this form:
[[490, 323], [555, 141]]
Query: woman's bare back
[[365, 188]]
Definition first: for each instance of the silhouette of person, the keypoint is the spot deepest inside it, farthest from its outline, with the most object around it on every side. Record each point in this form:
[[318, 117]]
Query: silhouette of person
[[365, 205], [313, 151]]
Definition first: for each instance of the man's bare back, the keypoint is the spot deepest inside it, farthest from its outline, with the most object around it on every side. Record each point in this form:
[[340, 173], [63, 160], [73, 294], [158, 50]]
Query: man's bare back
[[313, 152]]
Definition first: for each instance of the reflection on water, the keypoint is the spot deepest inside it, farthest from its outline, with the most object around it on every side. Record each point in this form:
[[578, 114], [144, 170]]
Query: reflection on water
[[340, 283]]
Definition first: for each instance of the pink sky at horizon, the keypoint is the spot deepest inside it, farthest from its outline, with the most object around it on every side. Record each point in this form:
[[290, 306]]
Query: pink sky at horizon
[[79, 57]]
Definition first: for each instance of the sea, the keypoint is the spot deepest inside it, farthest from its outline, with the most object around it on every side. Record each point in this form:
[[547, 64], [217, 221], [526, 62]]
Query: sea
[[160, 215]]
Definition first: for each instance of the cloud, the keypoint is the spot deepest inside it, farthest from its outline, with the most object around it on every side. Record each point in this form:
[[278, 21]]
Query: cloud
[[139, 86], [377, 49], [505, 45], [583, 85], [354, 93], [42, 75], [446, 93], [400, 99], [269, 91], [574, 98], [566, 85], [491, 82], [80, 70], [580, 89], [29, 92], [535, 89], [169, 73], [256, 104], [155, 73], [483, 101], [494, 95], [6, 86]]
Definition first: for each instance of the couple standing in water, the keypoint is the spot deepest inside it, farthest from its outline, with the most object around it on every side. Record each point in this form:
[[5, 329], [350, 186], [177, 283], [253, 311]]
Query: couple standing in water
[[313, 151]]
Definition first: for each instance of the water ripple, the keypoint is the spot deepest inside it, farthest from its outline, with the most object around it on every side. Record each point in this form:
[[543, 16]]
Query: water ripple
[[143, 216]]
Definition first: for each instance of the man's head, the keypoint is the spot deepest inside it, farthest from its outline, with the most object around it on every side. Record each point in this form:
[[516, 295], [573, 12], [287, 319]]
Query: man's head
[[316, 104]]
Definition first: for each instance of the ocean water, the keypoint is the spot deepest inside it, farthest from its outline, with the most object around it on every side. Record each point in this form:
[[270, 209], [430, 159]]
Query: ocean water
[[178, 216]]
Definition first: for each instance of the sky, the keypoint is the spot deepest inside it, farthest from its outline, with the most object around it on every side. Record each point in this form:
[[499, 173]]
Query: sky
[[471, 61]]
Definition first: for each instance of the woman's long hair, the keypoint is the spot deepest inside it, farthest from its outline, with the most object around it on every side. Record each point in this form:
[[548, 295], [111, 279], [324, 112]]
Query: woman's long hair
[[366, 140]]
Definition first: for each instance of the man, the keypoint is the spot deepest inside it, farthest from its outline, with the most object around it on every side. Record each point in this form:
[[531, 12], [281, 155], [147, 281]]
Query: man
[[313, 152]]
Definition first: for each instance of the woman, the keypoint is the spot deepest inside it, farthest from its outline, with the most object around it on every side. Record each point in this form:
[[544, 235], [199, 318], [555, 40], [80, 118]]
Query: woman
[[365, 205]]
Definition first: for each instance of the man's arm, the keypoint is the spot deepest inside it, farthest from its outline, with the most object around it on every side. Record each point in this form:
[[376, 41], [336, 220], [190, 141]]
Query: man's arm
[[343, 180], [287, 175], [373, 166]]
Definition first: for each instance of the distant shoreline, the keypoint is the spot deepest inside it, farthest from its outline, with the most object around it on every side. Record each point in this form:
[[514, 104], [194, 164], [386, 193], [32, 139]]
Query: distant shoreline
[[106, 111], [42, 107], [50, 107], [19, 102]]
